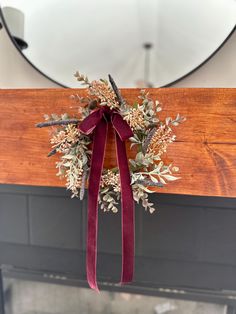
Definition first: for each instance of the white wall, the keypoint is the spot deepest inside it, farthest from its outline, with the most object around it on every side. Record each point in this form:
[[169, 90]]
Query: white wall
[[219, 71], [15, 72]]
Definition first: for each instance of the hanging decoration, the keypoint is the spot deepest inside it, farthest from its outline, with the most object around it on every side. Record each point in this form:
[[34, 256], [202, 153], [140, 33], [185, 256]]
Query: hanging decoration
[[81, 141]]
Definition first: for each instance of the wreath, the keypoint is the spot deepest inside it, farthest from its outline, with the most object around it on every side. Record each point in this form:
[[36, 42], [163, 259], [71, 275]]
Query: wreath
[[151, 137], [81, 142]]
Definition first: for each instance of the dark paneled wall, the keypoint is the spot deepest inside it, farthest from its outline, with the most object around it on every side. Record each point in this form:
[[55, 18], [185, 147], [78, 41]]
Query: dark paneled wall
[[188, 243]]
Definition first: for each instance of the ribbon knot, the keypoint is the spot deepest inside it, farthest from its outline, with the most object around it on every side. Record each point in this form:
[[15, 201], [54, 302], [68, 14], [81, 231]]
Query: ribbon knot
[[97, 122]]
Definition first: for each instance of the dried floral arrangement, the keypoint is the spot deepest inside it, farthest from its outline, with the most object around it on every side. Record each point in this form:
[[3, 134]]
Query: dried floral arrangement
[[81, 142], [151, 138]]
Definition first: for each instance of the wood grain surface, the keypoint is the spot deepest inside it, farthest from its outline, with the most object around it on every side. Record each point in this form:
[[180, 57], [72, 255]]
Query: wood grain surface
[[205, 150]]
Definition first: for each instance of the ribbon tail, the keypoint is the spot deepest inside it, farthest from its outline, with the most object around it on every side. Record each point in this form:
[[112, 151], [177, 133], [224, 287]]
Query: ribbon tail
[[99, 143], [127, 204]]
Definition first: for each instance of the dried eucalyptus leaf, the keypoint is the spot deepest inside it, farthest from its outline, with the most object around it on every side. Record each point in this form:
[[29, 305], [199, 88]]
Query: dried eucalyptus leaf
[[169, 177]]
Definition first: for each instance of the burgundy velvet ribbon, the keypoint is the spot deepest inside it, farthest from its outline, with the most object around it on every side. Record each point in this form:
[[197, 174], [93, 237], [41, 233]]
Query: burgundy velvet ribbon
[[97, 122]]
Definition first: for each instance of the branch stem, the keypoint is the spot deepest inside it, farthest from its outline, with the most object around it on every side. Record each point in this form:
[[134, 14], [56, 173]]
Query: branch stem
[[147, 182], [116, 90], [57, 122], [52, 152]]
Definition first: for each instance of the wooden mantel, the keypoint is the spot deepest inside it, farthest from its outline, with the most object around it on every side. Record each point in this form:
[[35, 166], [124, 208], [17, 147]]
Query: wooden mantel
[[205, 150]]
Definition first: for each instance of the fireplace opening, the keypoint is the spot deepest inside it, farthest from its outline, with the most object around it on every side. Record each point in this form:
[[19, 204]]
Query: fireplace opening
[[27, 292]]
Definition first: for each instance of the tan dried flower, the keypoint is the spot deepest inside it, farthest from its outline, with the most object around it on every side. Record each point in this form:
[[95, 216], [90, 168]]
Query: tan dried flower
[[65, 138], [111, 179], [58, 138], [72, 133], [135, 118], [160, 140], [104, 92]]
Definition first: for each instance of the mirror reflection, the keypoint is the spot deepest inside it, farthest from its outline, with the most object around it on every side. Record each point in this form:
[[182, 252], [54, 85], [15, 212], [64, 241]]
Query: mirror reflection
[[140, 42]]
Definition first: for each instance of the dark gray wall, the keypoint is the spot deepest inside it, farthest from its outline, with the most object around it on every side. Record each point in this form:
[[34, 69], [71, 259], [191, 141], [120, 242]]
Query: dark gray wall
[[187, 244]]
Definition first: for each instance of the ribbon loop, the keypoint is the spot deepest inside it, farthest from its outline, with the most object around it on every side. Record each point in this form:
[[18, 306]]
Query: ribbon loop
[[121, 126], [98, 121], [89, 123]]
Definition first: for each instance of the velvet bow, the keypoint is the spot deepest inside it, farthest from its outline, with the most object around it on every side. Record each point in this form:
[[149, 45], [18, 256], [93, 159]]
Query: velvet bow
[[97, 122]]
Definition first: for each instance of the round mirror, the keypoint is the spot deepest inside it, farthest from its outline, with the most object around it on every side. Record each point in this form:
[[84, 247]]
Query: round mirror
[[140, 42]]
